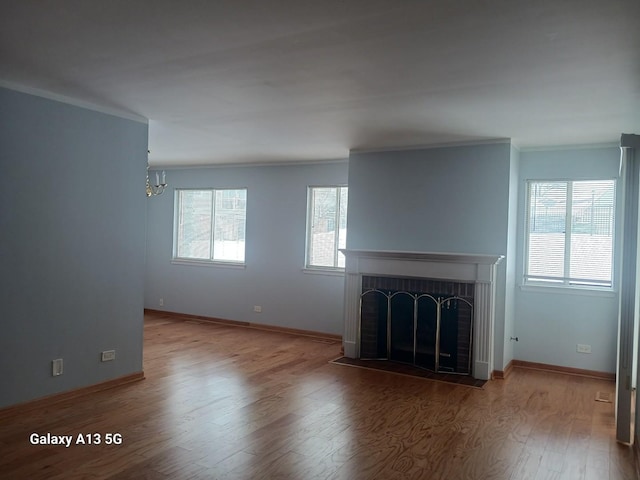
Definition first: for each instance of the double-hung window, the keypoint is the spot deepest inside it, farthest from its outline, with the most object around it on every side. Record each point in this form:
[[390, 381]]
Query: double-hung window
[[570, 233], [326, 227], [210, 225]]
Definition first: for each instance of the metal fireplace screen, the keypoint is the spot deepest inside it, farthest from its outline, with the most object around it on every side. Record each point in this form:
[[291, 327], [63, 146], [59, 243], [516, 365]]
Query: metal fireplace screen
[[430, 329]]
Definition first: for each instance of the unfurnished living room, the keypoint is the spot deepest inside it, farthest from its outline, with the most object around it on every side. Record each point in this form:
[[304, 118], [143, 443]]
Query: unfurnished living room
[[382, 239]]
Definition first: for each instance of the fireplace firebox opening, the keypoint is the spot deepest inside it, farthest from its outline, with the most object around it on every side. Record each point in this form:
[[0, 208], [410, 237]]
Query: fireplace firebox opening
[[423, 322]]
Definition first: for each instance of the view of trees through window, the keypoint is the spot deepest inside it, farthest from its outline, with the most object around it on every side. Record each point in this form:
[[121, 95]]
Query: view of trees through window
[[211, 224], [570, 232], [327, 226]]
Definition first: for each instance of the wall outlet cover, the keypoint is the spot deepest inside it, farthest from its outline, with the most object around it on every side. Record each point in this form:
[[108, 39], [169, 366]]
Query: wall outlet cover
[[581, 348], [56, 367], [108, 355]]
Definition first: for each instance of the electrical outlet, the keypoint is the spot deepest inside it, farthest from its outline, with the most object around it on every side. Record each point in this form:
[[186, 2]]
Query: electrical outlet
[[161, 302], [56, 367], [108, 355], [580, 348], [257, 308]]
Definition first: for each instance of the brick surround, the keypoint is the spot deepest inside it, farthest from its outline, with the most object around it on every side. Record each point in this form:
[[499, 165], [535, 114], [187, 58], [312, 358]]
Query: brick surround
[[374, 313]]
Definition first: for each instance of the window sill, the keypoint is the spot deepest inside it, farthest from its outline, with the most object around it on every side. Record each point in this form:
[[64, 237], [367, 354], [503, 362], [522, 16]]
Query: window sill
[[332, 272], [209, 263], [569, 290]]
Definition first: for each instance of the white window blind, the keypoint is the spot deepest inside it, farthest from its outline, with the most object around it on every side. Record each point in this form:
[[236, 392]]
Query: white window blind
[[570, 232], [210, 225], [326, 226]]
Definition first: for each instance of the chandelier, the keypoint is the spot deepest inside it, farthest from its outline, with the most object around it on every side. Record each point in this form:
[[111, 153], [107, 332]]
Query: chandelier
[[159, 186]]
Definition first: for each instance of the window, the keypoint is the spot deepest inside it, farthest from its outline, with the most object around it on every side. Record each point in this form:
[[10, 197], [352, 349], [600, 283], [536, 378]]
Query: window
[[570, 231], [326, 227], [210, 225]]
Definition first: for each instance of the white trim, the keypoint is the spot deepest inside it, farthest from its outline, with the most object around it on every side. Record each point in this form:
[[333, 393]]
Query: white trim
[[171, 165], [481, 259], [350, 349], [74, 102], [332, 272], [208, 263], [588, 146], [576, 178], [569, 290], [429, 146]]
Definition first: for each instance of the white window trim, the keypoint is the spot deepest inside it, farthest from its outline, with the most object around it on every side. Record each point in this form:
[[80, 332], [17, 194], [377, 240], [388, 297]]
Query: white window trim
[[565, 286], [569, 289], [331, 271], [202, 262], [208, 263], [319, 269]]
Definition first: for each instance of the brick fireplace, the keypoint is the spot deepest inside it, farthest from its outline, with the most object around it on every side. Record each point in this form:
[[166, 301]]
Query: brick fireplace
[[471, 277]]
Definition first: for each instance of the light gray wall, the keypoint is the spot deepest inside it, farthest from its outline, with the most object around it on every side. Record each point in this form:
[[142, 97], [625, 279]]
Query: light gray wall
[[432, 200], [511, 259], [449, 200], [551, 322], [72, 229], [275, 244]]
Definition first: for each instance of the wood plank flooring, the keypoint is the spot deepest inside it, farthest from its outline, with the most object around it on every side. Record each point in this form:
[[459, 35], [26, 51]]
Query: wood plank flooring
[[224, 402]]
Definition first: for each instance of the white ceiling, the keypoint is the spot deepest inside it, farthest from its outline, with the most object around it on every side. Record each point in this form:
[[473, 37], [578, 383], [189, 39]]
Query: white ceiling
[[235, 81]]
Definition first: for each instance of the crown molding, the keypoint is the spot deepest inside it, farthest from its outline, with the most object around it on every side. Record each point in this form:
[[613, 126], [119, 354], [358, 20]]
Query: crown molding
[[588, 146], [74, 102], [429, 146]]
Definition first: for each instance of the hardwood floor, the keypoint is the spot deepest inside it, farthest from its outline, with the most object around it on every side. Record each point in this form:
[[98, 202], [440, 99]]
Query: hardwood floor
[[224, 402]]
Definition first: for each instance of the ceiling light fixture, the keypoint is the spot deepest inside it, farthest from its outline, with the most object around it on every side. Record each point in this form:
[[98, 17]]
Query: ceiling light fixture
[[158, 188]]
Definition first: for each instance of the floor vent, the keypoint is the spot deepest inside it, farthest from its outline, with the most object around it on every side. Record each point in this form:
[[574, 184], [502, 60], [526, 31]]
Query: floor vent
[[603, 397]]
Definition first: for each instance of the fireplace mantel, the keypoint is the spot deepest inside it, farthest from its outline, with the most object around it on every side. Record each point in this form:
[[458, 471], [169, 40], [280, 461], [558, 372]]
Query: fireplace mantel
[[426, 256], [473, 268]]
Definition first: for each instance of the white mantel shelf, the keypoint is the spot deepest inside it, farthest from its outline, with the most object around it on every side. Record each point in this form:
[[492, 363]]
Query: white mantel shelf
[[471, 268], [426, 256]]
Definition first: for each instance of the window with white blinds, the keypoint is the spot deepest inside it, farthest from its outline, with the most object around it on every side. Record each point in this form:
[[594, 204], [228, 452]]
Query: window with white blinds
[[210, 225], [326, 227], [570, 233]]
